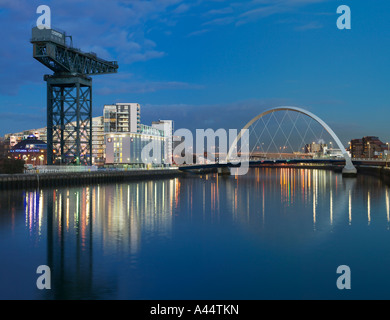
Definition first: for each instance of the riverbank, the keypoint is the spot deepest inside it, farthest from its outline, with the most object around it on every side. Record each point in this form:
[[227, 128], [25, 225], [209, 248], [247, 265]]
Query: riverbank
[[42, 180], [61, 179]]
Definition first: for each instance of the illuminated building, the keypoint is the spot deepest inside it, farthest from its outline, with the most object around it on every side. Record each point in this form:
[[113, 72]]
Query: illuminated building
[[14, 138], [122, 117], [356, 148], [31, 150], [315, 148], [11, 139], [368, 147], [121, 121], [126, 137], [126, 148]]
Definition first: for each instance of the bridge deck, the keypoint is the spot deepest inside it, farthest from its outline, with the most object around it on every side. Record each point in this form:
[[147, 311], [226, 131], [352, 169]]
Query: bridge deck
[[253, 163]]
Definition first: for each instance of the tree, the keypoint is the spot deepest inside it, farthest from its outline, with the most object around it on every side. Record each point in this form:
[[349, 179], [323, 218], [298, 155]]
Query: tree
[[9, 166]]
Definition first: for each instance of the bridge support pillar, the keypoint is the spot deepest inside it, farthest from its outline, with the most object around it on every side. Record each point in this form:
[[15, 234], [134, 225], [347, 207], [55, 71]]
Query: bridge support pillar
[[224, 171], [349, 170]]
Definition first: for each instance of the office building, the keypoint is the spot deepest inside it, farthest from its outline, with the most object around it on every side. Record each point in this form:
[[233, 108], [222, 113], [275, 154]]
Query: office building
[[126, 148], [122, 117], [14, 138], [368, 147], [31, 150], [315, 148], [356, 148]]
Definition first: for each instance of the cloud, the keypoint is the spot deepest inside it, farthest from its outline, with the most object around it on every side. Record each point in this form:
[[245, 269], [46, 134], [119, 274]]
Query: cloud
[[244, 12], [145, 87], [114, 30], [198, 33], [232, 115], [181, 8], [258, 9], [219, 21], [309, 26], [11, 122], [227, 10], [236, 115], [127, 84], [118, 30]]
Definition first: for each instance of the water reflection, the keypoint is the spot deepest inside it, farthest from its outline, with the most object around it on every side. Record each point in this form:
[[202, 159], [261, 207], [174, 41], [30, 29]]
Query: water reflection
[[123, 210], [387, 206], [34, 212], [296, 189], [255, 195], [369, 208], [91, 233], [82, 225], [350, 207]]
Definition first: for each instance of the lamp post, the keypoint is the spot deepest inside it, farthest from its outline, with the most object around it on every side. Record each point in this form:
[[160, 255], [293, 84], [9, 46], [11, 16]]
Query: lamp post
[[350, 149], [369, 150]]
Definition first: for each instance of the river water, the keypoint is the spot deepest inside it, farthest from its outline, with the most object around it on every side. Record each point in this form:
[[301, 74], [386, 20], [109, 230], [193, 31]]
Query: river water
[[272, 234]]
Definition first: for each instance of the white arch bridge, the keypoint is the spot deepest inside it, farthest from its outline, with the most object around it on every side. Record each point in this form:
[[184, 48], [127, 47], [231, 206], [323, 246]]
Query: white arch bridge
[[233, 159]]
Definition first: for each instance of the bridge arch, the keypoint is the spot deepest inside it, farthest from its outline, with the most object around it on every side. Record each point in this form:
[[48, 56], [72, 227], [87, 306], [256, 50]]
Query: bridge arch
[[349, 167]]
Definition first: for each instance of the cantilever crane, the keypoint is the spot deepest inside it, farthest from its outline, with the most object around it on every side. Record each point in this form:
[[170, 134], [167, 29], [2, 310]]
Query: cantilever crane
[[69, 95]]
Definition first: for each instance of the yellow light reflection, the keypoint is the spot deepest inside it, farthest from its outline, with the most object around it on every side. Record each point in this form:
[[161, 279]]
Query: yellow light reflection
[[387, 205], [331, 207], [314, 209], [350, 208], [369, 208], [263, 204]]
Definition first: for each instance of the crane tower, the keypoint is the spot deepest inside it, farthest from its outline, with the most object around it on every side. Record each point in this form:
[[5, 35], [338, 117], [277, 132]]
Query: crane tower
[[69, 95]]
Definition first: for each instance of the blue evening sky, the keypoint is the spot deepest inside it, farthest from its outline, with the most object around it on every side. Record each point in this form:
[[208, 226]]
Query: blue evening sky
[[211, 64]]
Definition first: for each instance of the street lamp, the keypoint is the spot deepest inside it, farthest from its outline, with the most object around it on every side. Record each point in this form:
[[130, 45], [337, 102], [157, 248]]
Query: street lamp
[[369, 150]]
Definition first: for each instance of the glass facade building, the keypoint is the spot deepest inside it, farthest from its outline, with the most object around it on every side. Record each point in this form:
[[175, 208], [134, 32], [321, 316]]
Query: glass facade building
[[122, 117], [135, 150]]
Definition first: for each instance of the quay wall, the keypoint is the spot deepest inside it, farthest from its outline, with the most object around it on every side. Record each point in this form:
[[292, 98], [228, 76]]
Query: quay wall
[[43, 180], [382, 173]]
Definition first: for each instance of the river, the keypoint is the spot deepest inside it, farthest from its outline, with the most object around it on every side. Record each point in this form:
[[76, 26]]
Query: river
[[276, 233]]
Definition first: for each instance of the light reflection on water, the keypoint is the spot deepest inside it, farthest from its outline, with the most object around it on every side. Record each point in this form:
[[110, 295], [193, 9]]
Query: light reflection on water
[[264, 235]]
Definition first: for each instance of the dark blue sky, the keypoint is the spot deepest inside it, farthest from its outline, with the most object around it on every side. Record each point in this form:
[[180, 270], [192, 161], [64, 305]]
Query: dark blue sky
[[211, 64]]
